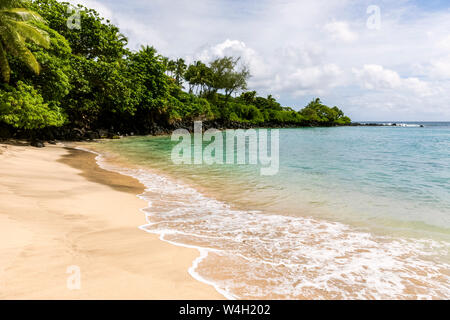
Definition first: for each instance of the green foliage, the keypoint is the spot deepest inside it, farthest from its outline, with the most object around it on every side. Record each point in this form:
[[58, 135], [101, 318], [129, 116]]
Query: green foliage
[[188, 107], [87, 78], [286, 116], [235, 111], [102, 93], [99, 86], [96, 39], [224, 75], [199, 77], [261, 103], [148, 70], [317, 113], [221, 74], [53, 82], [343, 121], [179, 71], [23, 107]]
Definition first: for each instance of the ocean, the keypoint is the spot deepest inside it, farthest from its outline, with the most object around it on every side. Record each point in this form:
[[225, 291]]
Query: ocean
[[353, 212]]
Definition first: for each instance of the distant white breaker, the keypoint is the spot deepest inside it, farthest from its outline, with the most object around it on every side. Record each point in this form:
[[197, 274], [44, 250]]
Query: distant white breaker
[[228, 147]]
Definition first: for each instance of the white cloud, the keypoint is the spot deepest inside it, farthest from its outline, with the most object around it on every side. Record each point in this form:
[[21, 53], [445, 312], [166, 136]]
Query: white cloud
[[234, 48], [340, 31], [440, 68], [312, 80], [376, 77], [445, 43], [292, 70]]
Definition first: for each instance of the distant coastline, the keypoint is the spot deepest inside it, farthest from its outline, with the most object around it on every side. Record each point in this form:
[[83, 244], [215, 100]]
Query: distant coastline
[[50, 135]]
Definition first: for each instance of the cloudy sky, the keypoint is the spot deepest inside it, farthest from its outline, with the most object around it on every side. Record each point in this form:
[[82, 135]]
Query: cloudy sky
[[377, 60]]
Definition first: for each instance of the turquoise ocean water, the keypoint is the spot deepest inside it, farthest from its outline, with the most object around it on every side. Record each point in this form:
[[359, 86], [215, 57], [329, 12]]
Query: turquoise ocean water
[[354, 212]]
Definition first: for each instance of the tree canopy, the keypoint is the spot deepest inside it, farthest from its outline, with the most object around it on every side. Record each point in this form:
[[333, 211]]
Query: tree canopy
[[87, 78]]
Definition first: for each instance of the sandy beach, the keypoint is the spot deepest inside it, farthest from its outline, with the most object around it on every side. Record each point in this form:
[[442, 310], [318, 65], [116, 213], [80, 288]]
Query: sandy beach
[[58, 209]]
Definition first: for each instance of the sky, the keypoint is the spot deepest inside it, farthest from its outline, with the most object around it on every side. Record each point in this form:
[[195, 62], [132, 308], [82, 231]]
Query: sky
[[377, 60]]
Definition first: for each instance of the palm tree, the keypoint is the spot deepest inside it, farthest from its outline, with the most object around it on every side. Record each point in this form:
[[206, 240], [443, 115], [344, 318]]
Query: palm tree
[[16, 29], [171, 67], [180, 70]]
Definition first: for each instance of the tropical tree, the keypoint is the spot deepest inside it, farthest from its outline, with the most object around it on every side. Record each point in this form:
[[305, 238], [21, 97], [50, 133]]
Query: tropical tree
[[226, 77], [171, 66], [180, 70], [150, 83], [235, 81], [17, 28], [199, 76], [96, 39]]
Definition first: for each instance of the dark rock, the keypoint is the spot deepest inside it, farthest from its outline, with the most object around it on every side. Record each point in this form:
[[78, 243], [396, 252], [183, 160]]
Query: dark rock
[[46, 134], [77, 134], [92, 135], [102, 133], [37, 144], [5, 133], [78, 131], [52, 142]]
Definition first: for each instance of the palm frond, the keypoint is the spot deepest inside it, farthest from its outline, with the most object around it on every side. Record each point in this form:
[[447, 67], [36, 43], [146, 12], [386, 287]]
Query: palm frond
[[21, 14], [4, 65], [15, 44], [32, 33], [7, 4], [16, 28]]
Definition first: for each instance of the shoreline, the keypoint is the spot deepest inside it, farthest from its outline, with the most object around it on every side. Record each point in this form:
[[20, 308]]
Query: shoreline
[[71, 134], [38, 245], [76, 135], [203, 252], [64, 210], [186, 228]]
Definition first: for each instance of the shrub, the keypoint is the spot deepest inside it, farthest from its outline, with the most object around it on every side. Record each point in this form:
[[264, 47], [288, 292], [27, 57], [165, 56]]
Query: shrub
[[24, 108]]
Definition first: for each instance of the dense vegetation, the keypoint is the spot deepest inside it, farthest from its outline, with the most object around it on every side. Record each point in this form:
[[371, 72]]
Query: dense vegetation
[[85, 79]]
